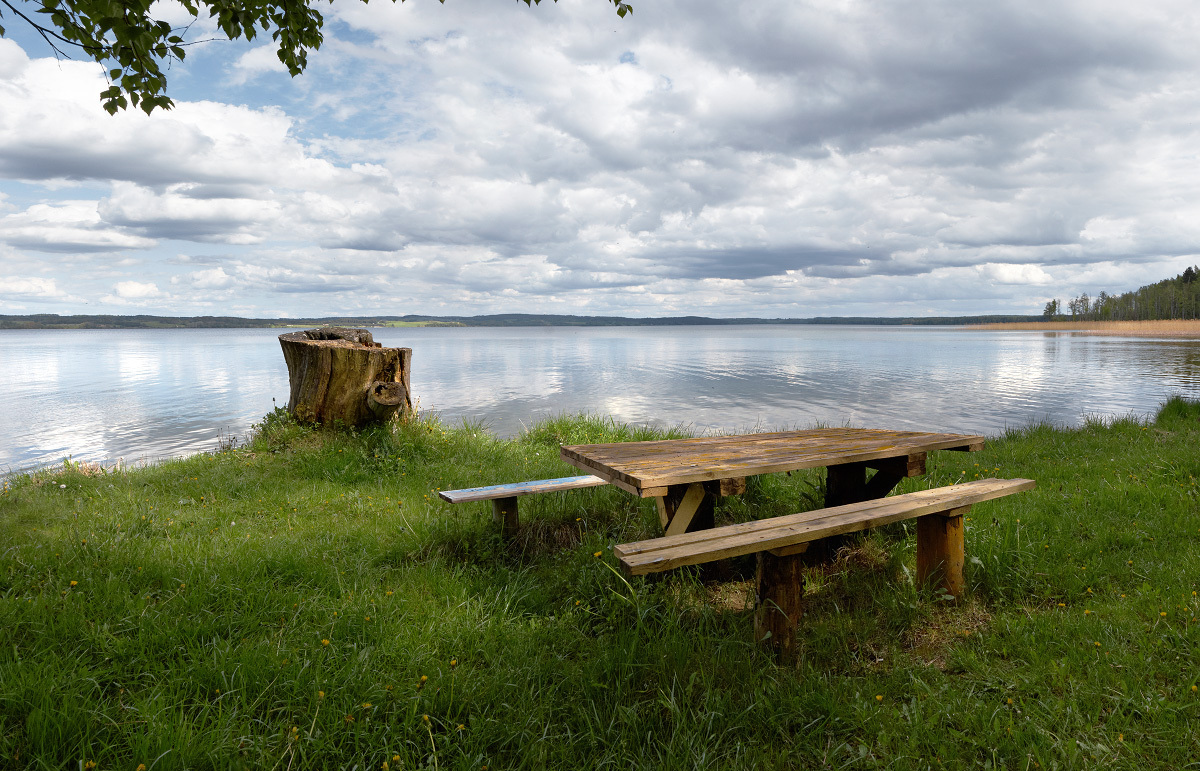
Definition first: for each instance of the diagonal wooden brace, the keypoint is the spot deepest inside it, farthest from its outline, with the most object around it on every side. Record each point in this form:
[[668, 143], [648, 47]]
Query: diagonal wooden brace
[[676, 513]]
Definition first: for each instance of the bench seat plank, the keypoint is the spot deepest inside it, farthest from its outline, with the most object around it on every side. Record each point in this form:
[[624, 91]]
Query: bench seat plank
[[516, 489], [669, 552]]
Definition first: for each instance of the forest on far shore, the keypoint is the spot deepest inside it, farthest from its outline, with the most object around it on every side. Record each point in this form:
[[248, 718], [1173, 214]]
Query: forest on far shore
[[1169, 299]]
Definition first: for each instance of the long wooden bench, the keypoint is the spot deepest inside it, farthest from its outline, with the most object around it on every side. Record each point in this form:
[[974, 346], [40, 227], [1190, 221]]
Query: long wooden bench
[[504, 497], [779, 541]]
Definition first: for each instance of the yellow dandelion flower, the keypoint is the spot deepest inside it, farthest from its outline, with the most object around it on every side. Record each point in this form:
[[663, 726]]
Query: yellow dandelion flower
[[389, 593], [320, 694], [453, 662], [324, 642], [140, 767], [384, 766], [366, 705], [74, 583], [1163, 614], [462, 727], [349, 719], [879, 697], [425, 718], [597, 554], [395, 758]]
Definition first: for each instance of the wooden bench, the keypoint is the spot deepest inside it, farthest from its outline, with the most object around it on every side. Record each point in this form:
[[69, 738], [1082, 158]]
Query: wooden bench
[[779, 541], [504, 497]]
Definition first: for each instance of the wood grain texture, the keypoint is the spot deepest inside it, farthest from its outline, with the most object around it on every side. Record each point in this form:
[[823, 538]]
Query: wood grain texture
[[337, 374], [669, 552], [941, 550], [779, 604], [686, 509], [517, 489], [639, 467]]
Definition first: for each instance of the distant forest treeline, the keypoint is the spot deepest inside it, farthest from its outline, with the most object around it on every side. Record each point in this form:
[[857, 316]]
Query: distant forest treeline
[[1169, 299], [54, 321]]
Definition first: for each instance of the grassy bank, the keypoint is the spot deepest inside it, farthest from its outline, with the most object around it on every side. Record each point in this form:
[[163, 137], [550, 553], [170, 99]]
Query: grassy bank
[[307, 602], [1175, 328]]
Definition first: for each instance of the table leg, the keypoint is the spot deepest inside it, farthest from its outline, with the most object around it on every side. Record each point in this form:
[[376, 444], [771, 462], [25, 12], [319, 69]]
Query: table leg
[[779, 603], [686, 509], [848, 483]]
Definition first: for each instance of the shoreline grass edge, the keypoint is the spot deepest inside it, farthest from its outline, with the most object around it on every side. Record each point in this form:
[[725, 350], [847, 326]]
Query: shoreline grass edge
[[306, 601]]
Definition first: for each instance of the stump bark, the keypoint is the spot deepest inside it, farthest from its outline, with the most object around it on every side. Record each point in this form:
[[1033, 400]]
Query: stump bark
[[342, 374]]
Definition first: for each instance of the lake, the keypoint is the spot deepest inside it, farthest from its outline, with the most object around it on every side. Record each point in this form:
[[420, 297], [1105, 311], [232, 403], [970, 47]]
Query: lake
[[100, 395]]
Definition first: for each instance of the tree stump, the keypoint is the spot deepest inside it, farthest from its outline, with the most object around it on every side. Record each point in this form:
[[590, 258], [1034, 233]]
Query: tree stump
[[342, 375]]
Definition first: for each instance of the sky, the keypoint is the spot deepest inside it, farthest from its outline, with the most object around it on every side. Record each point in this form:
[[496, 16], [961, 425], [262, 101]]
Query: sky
[[774, 159]]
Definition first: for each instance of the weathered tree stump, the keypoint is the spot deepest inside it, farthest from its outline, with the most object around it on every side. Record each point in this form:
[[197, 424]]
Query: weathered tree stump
[[341, 374]]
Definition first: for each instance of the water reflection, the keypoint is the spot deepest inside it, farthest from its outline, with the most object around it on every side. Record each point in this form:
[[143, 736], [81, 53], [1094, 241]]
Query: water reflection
[[101, 394]]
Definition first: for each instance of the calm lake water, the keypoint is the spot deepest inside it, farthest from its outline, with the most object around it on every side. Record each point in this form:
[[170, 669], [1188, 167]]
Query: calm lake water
[[99, 395]]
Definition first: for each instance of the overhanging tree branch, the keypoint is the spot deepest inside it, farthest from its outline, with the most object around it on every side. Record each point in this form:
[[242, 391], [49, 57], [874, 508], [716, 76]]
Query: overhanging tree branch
[[132, 46]]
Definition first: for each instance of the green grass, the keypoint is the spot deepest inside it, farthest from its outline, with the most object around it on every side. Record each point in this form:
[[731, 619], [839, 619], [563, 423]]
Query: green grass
[[177, 616]]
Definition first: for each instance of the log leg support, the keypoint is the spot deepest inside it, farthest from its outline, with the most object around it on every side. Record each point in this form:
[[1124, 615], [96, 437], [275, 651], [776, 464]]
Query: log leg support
[[504, 513], [685, 509], [847, 483], [941, 550], [779, 604]]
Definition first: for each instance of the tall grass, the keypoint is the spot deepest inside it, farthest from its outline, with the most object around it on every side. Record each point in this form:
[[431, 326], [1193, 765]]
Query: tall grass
[[306, 601]]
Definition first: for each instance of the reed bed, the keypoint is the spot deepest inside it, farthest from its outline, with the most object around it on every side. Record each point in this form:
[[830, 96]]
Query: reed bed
[[1171, 328]]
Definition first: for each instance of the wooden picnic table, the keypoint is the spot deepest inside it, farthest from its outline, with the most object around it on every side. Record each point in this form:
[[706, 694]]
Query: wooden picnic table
[[685, 475]]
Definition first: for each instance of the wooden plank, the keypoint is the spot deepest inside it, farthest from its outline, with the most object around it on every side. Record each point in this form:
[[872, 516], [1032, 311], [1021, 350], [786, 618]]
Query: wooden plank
[[685, 510], [517, 489], [637, 466], [787, 551], [734, 540], [967, 492], [664, 516]]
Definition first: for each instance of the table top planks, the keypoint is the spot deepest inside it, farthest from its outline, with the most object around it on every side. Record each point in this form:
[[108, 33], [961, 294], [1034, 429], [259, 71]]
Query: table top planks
[[647, 468]]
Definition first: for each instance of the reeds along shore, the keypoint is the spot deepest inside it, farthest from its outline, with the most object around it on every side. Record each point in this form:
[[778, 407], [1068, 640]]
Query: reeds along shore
[[305, 601], [1172, 328]]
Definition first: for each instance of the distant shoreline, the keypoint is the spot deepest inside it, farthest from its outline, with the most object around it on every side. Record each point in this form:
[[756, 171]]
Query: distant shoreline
[[55, 321], [1178, 328]]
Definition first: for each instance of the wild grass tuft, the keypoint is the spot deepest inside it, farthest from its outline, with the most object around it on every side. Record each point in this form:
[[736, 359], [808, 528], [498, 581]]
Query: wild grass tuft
[[306, 601]]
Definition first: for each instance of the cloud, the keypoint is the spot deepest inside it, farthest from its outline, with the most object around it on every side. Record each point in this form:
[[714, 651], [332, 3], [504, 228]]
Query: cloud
[[29, 287], [256, 61], [782, 158], [135, 290], [69, 226]]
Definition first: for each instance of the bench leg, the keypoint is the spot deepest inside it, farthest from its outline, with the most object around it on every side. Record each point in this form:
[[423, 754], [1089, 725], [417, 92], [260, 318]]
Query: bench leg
[[779, 604], [504, 513], [941, 550]]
